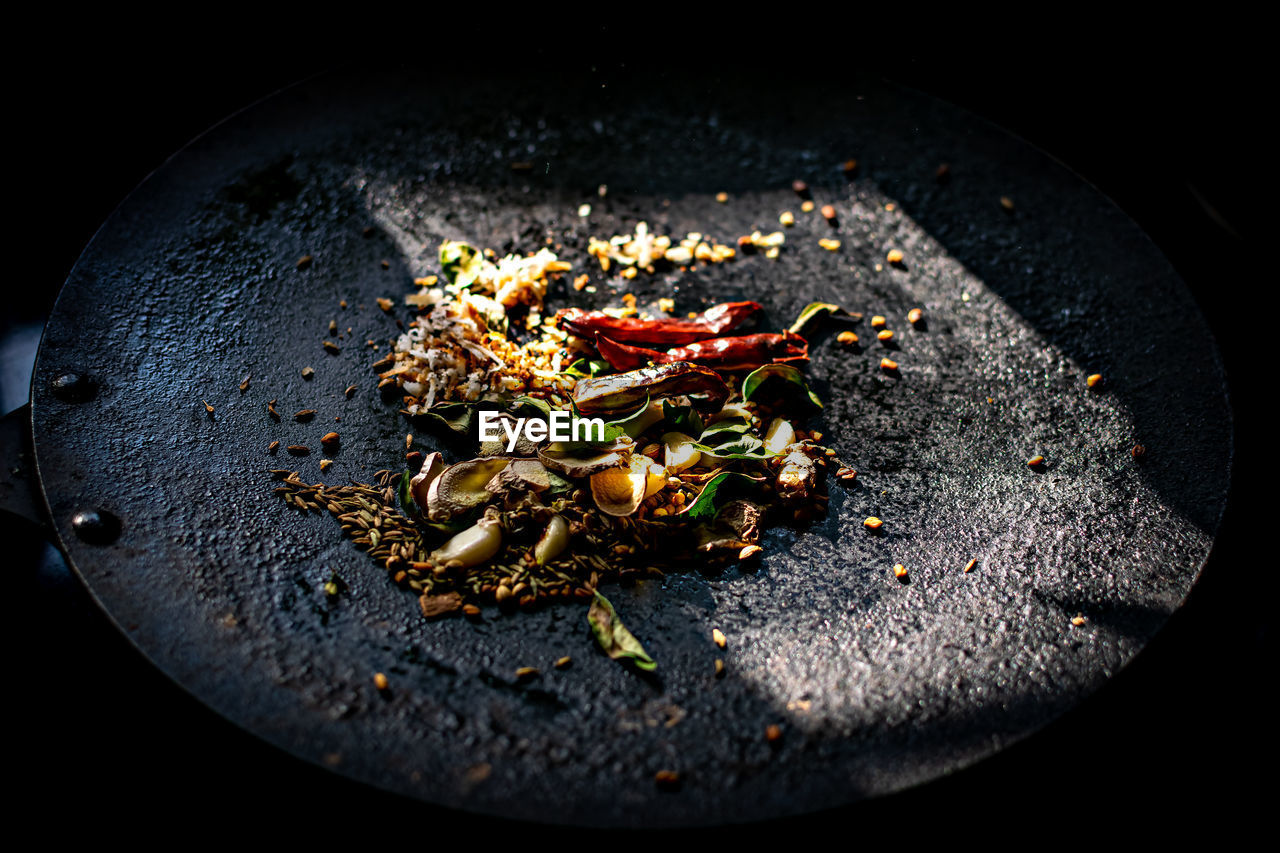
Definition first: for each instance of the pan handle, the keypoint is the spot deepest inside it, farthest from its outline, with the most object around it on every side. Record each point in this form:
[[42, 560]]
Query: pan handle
[[19, 491]]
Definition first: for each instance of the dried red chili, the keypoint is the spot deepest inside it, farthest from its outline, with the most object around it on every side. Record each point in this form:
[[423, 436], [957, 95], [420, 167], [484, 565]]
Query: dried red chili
[[709, 324], [745, 352]]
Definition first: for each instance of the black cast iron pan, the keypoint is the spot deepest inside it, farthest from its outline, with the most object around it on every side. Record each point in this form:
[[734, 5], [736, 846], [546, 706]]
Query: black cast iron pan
[[193, 284]]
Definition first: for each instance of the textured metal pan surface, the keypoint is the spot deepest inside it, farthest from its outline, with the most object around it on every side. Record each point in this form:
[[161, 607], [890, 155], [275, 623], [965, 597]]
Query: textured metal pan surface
[[193, 284]]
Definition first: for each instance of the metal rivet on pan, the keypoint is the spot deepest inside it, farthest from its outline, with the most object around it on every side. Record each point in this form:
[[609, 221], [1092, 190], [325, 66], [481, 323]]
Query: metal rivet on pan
[[72, 387], [96, 526]]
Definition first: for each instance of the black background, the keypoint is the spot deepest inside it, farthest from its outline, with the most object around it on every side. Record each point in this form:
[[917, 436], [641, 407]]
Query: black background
[[1173, 134]]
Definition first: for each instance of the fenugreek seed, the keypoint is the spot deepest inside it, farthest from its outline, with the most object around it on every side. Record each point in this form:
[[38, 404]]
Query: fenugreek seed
[[894, 256], [273, 447], [718, 637], [298, 450], [888, 364], [847, 338], [878, 322], [872, 523], [332, 348], [351, 389], [330, 439], [899, 571], [1094, 380], [668, 780], [884, 335], [1035, 461], [304, 415], [773, 733], [914, 316], [564, 662], [828, 212], [969, 566]]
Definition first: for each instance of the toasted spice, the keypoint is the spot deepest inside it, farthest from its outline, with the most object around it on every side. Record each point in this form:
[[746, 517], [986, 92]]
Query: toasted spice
[[307, 373], [470, 610], [942, 173], [888, 365], [718, 637], [333, 327], [380, 681], [385, 304], [304, 415], [847, 338], [408, 441], [719, 668], [872, 523], [749, 552]]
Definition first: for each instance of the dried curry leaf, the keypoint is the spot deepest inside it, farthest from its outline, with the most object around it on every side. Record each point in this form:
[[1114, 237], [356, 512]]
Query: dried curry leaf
[[719, 490], [614, 638], [785, 377], [813, 311]]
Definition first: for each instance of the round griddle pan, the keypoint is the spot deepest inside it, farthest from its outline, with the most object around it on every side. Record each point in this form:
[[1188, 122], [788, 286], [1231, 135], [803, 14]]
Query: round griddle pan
[[194, 284]]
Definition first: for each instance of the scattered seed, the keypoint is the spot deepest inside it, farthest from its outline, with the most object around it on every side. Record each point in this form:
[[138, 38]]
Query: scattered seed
[[894, 257], [564, 662], [773, 733], [385, 264], [899, 571], [719, 668], [884, 335], [873, 523], [849, 167], [668, 780], [207, 407], [1078, 620], [325, 463], [914, 316], [848, 475], [888, 365], [878, 322], [807, 206], [722, 197], [718, 636], [305, 261], [829, 244], [1006, 203], [408, 441], [332, 348], [750, 552], [298, 450], [1035, 461], [304, 415], [522, 166], [244, 386], [271, 410], [969, 566], [800, 187], [380, 681], [1094, 380], [273, 447], [847, 338], [787, 218], [943, 172], [1138, 451], [333, 327], [331, 439], [828, 212], [470, 610], [307, 373], [351, 389], [526, 673]]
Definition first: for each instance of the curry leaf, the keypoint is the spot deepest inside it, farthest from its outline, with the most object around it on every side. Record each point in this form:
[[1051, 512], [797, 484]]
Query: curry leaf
[[460, 263], [717, 492], [683, 419], [778, 372], [541, 408], [456, 416], [811, 312], [406, 494], [587, 367], [617, 642]]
